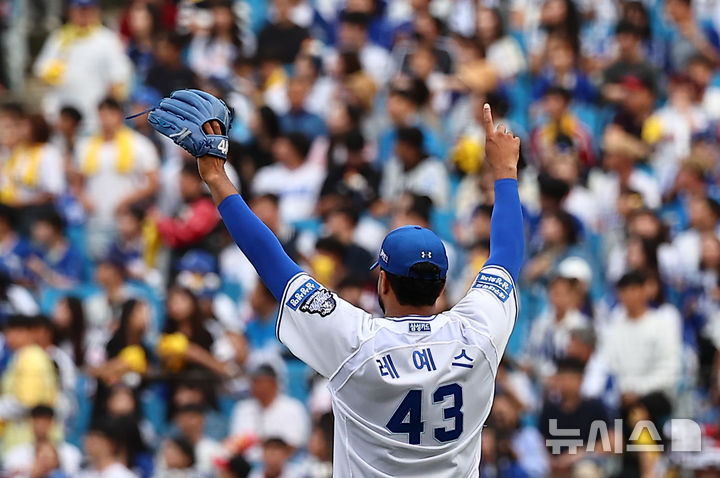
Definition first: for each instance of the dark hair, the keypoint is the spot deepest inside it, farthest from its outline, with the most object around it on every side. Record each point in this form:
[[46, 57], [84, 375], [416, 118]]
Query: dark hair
[[332, 246], [629, 28], [110, 103], [39, 128], [14, 109], [557, 90], [238, 466], [417, 292], [7, 214], [175, 39], [349, 212], [571, 365], [269, 121], [42, 411], [631, 278], [52, 218], [358, 19], [354, 141], [350, 61], [411, 136], [273, 198], [76, 330], [190, 168], [200, 334], [570, 230], [420, 205], [570, 26], [300, 143], [119, 339], [185, 446], [235, 33], [72, 113]]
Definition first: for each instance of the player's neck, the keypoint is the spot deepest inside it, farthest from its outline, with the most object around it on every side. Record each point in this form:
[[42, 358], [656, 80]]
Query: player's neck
[[399, 310]]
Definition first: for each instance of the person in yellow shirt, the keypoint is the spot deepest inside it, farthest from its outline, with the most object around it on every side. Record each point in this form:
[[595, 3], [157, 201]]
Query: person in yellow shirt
[[29, 380]]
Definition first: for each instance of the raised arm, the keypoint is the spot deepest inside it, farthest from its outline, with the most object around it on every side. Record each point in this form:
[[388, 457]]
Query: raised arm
[[257, 242], [507, 242]]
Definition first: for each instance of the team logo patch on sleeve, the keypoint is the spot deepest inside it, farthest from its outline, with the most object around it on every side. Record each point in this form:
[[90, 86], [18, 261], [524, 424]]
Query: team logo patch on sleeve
[[495, 284], [312, 299]]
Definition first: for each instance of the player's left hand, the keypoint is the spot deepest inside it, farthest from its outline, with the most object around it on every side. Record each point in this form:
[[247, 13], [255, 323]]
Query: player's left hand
[[184, 117]]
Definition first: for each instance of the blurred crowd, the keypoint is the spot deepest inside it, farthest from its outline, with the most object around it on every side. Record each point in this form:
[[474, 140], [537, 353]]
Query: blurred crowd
[[137, 340]]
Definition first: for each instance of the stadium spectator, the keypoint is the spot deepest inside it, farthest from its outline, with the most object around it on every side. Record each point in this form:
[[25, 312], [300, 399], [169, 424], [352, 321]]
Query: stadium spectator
[[56, 262], [26, 460], [190, 420], [294, 179], [270, 414], [120, 169], [281, 38], [83, 62], [103, 449], [168, 72]]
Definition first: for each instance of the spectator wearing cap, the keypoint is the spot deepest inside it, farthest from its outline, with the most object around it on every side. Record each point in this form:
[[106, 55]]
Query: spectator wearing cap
[[568, 409], [281, 38], [82, 62], [195, 219], [20, 460], [637, 104], [168, 72], [120, 167], [269, 413], [190, 421], [298, 118], [550, 332], [630, 60], [412, 170], [57, 263], [353, 36], [30, 379], [103, 449], [292, 178]]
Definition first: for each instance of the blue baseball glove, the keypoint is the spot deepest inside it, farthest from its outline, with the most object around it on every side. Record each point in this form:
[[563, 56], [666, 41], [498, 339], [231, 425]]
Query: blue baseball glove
[[181, 118]]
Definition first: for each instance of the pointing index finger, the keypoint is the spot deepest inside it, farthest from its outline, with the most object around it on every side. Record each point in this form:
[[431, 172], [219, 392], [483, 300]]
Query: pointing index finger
[[488, 120]]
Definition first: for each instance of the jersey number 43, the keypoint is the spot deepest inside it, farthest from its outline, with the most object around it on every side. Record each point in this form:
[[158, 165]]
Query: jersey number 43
[[408, 416]]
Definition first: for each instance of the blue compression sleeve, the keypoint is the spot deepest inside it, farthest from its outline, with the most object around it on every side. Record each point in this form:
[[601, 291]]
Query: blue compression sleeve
[[259, 245], [507, 241]]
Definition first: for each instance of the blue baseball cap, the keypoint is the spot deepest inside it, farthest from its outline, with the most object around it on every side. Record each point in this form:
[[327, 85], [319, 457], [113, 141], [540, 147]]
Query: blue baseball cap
[[409, 245], [84, 3]]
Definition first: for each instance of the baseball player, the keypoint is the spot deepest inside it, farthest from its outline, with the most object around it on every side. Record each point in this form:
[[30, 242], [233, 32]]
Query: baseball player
[[411, 390]]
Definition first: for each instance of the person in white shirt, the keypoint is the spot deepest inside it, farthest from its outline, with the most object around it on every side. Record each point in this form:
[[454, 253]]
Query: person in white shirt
[[120, 168], [270, 413], [704, 214], [32, 174], [18, 461], [83, 62], [641, 347], [294, 180], [102, 450], [411, 170]]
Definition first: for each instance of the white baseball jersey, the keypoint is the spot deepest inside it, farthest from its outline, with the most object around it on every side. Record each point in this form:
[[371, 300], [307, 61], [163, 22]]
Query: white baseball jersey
[[410, 394]]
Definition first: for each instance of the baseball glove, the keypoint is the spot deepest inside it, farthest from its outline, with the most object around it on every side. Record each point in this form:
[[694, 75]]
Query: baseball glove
[[181, 118]]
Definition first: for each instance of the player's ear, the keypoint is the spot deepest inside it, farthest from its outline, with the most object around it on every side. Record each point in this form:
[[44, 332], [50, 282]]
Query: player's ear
[[383, 283]]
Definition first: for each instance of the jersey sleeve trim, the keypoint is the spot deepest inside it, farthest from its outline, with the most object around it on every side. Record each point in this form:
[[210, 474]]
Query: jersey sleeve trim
[[282, 303], [513, 286]]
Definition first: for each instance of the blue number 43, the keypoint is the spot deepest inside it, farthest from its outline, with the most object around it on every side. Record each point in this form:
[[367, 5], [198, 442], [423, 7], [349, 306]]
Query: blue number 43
[[408, 416]]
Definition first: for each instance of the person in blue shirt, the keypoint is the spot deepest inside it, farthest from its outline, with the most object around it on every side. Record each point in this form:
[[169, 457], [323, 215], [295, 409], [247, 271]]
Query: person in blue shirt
[[14, 249], [298, 119], [57, 263], [260, 330]]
